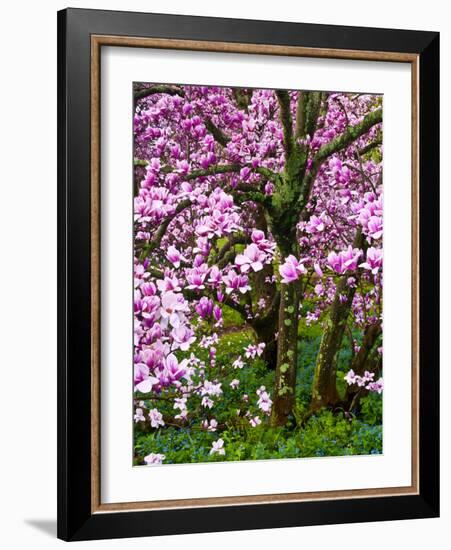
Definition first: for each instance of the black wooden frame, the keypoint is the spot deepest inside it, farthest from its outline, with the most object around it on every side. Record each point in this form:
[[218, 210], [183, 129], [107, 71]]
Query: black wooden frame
[[75, 520]]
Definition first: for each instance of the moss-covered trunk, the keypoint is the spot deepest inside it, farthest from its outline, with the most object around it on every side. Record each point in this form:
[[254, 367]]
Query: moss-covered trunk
[[285, 383], [324, 390]]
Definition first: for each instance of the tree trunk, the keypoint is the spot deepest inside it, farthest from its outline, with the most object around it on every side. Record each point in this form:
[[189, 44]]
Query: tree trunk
[[285, 384], [324, 390], [266, 328]]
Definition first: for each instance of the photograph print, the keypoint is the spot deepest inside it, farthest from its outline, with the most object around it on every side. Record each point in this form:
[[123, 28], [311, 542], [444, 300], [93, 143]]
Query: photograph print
[[258, 273]]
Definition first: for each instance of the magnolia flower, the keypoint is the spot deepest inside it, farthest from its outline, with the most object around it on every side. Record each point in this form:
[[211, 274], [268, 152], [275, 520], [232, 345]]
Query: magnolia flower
[[255, 421], [377, 386], [212, 426], [373, 260], [291, 269], [180, 403], [204, 307], [217, 447], [182, 337], [196, 278], [264, 402], [154, 459], [233, 281], [252, 257], [207, 402], [174, 256], [215, 276], [269, 189], [317, 224], [375, 228], [168, 283], [258, 238], [350, 377], [252, 351], [318, 269], [172, 370], [143, 380], [364, 381], [156, 418], [345, 260], [210, 388], [172, 308], [139, 416]]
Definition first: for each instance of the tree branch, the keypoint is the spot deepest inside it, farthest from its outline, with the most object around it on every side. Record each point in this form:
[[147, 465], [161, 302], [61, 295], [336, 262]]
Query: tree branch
[[213, 171], [157, 89], [239, 238], [236, 306], [347, 137], [300, 116], [283, 98], [370, 146], [216, 132], [156, 241]]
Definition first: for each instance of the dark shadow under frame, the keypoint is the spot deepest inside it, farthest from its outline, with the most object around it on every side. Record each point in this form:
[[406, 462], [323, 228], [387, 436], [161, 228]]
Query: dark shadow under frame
[[80, 34]]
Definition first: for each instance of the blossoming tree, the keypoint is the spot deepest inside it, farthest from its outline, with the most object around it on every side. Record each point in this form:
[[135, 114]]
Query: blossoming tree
[[269, 203]]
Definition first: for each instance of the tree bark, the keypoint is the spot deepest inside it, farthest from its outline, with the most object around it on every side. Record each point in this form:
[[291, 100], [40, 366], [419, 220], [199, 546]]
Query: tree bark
[[266, 328], [287, 355]]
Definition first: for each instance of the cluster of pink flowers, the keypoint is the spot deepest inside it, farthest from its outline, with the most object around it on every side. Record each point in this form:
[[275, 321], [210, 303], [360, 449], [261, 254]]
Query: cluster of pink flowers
[[367, 381]]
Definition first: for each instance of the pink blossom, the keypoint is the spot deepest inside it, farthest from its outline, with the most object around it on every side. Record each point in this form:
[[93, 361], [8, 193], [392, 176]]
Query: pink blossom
[[346, 260], [375, 228], [217, 447], [264, 401], [172, 309], [255, 421], [139, 416], [233, 281], [204, 307], [156, 418], [182, 337], [207, 402], [373, 260], [238, 363], [154, 459], [252, 257], [291, 269], [174, 256], [252, 351]]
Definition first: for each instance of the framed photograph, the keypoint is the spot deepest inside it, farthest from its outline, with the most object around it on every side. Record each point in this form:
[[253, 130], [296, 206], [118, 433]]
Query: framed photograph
[[248, 274]]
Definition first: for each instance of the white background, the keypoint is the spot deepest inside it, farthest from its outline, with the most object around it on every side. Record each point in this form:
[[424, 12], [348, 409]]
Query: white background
[[28, 274], [120, 482]]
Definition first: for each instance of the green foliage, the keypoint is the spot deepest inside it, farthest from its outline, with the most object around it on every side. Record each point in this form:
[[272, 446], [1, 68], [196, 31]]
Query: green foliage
[[371, 409], [327, 433]]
